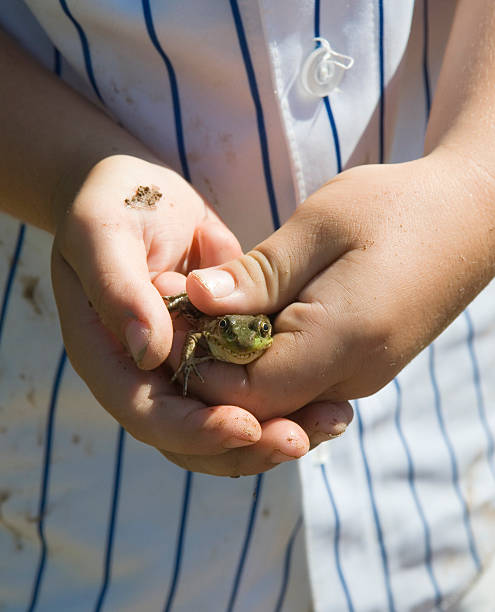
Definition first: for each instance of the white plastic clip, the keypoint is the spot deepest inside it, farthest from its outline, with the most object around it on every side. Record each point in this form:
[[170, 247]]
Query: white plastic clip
[[324, 68]]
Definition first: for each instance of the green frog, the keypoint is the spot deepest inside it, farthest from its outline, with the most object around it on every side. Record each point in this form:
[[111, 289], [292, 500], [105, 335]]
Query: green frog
[[234, 338]]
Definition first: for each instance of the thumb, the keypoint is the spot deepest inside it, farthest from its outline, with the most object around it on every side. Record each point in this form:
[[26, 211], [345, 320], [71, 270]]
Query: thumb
[[115, 278], [216, 243], [271, 275]]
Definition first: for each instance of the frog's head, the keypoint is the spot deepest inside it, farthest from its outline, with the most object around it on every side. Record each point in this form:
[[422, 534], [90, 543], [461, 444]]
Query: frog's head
[[240, 338]]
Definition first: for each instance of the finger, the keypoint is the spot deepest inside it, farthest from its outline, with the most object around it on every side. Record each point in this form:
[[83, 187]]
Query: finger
[[170, 283], [216, 243], [111, 265], [281, 441], [323, 420], [145, 403], [213, 243], [271, 275]]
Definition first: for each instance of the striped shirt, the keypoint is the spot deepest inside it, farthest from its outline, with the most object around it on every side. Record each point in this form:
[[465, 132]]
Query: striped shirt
[[399, 514]]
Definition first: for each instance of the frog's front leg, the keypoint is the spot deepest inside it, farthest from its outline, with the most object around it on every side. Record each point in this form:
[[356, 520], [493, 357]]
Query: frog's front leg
[[188, 362], [176, 302]]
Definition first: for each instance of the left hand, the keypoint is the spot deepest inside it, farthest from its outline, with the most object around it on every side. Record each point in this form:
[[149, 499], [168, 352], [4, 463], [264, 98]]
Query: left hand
[[365, 274]]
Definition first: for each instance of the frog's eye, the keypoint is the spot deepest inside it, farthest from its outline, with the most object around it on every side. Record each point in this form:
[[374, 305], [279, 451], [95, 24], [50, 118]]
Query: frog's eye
[[223, 324], [265, 328]]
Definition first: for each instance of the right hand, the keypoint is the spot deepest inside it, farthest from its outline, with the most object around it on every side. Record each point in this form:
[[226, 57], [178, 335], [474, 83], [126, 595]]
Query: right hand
[[110, 265]]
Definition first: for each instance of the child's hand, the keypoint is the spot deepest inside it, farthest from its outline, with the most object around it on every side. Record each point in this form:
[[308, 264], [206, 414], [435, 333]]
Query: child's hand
[[121, 253], [365, 274], [111, 264]]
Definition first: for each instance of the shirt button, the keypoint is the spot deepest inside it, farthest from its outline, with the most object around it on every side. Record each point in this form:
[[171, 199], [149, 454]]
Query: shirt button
[[323, 69]]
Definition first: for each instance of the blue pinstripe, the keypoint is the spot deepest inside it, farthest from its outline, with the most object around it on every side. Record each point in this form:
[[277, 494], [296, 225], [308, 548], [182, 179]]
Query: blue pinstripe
[[431, 349], [253, 86], [11, 274], [247, 541], [106, 576], [112, 520], [376, 517], [381, 75], [336, 540], [179, 133], [381, 159], [479, 393], [85, 49], [174, 88], [45, 473], [426, 76], [453, 460], [287, 562], [45, 481], [180, 542], [414, 493], [326, 99], [338, 158], [411, 475], [57, 62], [317, 15]]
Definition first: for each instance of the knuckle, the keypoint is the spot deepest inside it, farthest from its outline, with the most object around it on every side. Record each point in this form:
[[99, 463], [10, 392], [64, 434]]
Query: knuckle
[[261, 270], [269, 268]]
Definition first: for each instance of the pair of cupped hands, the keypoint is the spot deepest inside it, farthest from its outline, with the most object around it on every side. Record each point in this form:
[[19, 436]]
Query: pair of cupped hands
[[366, 272]]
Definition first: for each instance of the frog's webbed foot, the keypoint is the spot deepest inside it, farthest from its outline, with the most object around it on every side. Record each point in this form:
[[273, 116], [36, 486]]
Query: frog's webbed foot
[[188, 366]]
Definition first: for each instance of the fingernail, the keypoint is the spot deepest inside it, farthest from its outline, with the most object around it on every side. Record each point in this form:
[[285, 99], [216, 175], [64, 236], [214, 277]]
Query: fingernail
[[231, 443], [218, 282], [321, 436], [279, 457], [138, 336]]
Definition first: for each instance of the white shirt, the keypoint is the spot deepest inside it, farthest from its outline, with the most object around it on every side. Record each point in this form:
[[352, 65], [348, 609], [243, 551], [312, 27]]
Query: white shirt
[[398, 514]]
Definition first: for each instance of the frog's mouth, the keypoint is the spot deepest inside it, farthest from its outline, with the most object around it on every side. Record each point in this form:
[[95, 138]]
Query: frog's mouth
[[236, 353]]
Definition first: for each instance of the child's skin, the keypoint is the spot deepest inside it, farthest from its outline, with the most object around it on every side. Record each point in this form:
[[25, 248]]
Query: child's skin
[[365, 273]]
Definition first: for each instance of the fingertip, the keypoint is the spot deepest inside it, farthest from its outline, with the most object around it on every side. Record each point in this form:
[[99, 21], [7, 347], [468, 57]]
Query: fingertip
[[216, 245], [288, 440], [201, 292], [170, 283], [346, 410], [214, 283], [324, 420], [245, 431], [222, 427], [149, 336]]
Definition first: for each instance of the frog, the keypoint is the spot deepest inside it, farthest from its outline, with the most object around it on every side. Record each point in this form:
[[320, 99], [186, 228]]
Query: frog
[[233, 338]]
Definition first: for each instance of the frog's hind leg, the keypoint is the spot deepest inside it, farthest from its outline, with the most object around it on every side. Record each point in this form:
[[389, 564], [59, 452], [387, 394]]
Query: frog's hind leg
[[188, 362]]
